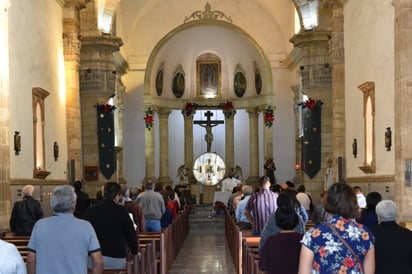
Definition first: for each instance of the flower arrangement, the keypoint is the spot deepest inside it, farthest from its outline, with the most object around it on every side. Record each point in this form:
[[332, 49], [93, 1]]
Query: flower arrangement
[[148, 118], [227, 108], [268, 116], [105, 107], [311, 103], [190, 108]]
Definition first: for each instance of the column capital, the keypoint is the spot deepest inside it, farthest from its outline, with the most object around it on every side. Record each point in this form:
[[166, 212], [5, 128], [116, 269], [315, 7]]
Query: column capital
[[163, 112], [332, 4], [230, 114], [78, 4], [188, 115], [253, 111]]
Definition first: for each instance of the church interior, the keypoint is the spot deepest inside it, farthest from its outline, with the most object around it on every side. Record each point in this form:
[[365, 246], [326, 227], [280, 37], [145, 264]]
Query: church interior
[[121, 90]]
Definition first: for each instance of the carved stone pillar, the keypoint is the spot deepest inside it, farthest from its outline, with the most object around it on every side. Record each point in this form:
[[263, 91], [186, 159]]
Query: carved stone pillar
[[337, 59], [316, 81], [163, 114], [254, 146], [267, 142], [71, 49], [230, 141], [149, 153], [188, 147], [5, 132], [403, 101], [100, 71]]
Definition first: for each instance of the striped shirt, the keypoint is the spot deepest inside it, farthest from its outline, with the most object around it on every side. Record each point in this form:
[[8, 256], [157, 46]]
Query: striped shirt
[[261, 205]]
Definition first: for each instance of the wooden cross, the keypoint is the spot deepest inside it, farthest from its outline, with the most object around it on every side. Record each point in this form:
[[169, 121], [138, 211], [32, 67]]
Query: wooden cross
[[208, 124]]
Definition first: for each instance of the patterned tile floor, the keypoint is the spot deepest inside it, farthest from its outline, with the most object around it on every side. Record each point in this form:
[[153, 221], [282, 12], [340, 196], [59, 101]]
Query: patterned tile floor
[[204, 251]]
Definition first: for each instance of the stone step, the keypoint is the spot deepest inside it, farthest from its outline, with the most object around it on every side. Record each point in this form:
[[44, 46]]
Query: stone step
[[203, 217]]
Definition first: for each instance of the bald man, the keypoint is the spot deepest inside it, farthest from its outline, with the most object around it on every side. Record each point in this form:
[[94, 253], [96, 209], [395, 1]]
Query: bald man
[[25, 213]]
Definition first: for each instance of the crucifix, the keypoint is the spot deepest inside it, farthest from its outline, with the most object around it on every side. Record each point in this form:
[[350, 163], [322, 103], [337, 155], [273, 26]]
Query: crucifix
[[208, 124]]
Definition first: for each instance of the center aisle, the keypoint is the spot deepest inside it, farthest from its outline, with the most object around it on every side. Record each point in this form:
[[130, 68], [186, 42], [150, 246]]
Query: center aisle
[[205, 249]]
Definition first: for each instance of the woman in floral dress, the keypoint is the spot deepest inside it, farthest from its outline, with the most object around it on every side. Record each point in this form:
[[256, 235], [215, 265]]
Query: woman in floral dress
[[323, 251]]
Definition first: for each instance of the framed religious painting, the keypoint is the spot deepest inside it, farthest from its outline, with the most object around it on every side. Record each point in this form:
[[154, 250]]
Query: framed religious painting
[[208, 78]]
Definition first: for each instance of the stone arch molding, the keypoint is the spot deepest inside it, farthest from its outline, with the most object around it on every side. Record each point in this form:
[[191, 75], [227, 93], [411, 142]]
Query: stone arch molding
[[207, 32]]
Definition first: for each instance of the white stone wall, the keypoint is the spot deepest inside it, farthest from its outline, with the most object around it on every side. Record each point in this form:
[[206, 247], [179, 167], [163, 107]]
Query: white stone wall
[[369, 56], [36, 60]]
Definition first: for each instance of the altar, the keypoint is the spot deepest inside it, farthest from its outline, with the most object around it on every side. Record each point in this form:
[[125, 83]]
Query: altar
[[204, 194], [222, 196]]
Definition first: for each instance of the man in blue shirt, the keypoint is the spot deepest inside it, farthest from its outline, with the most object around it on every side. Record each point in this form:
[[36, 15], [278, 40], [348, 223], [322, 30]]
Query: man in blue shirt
[[62, 243]]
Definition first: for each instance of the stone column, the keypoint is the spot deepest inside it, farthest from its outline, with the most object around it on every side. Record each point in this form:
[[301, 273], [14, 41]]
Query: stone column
[[71, 49], [188, 147], [5, 131], [267, 142], [163, 114], [315, 72], [403, 102], [150, 153], [98, 79], [337, 59], [229, 140], [254, 146]]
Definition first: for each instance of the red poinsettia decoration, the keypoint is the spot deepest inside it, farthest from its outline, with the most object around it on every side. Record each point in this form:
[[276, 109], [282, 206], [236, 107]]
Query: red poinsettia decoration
[[311, 103], [106, 108], [227, 108], [190, 108], [148, 118], [268, 117]]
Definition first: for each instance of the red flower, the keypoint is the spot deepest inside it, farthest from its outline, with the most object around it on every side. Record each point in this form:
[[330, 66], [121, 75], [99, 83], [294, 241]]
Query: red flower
[[228, 106], [310, 103], [189, 106], [348, 262], [148, 119], [106, 108], [269, 118]]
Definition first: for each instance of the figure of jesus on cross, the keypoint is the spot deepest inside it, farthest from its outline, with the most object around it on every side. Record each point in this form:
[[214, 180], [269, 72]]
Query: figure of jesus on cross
[[208, 124]]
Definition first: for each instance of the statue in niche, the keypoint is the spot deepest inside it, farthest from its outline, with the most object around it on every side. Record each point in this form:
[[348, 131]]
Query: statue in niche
[[329, 180], [183, 175]]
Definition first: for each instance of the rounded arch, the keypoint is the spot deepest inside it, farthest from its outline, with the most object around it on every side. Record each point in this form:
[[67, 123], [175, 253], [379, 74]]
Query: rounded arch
[[203, 26]]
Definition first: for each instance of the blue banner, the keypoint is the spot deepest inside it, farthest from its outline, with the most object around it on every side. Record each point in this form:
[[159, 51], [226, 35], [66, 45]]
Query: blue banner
[[311, 140], [105, 134]]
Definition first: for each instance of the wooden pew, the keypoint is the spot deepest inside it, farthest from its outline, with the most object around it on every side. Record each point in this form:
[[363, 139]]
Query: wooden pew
[[167, 243]]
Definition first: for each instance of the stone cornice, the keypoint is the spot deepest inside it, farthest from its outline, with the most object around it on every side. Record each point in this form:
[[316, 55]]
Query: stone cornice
[[103, 40], [309, 37], [370, 179]]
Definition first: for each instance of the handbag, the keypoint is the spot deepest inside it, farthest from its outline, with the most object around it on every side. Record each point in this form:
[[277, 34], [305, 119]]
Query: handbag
[[356, 256]]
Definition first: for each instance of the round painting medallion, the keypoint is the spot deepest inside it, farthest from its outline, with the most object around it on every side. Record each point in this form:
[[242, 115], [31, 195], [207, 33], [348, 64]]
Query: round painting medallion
[[258, 83], [159, 82], [178, 86], [239, 84]]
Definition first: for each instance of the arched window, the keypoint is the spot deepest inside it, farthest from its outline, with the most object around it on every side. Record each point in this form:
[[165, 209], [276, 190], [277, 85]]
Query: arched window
[[368, 89], [38, 96]]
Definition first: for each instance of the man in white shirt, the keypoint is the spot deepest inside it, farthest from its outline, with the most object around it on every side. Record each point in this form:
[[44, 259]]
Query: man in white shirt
[[303, 198], [10, 259], [360, 196], [229, 183]]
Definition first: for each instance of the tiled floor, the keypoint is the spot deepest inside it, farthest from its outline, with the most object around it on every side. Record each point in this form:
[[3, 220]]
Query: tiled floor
[[204, 251]]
